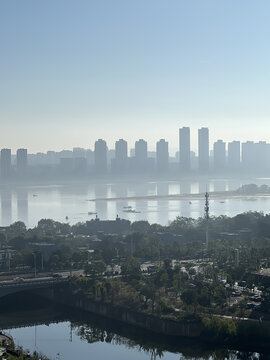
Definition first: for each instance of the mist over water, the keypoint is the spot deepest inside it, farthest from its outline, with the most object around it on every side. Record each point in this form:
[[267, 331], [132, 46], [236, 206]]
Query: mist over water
[[75, 201]]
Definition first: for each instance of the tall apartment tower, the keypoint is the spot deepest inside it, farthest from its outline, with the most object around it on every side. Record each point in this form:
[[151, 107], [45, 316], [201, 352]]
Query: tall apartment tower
[[100, 156], [203, 149], [162, 155], [141, 155], [248, 155], [219, 155], [5, 163], [234, 159], [184, 148], [120, 162], [21, 161]]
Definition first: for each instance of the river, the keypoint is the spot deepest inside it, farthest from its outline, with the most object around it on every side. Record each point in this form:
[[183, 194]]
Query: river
[[57, 201], [62, 333]]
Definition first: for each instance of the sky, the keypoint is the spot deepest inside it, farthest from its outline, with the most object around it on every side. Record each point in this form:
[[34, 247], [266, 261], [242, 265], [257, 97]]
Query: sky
[[73, 71]]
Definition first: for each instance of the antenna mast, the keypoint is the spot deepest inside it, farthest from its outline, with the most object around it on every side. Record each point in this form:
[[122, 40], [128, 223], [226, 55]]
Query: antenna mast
[[206, 215]]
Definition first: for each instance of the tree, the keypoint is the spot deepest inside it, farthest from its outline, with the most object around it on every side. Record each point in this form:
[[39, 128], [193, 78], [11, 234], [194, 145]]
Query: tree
[[95, 269], [131, 268], [189, 297]]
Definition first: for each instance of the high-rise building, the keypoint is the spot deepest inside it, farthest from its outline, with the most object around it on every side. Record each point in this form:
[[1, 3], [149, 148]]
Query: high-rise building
[[234, 156], [79, 152], [203, 149], [119, 163], [248, 156], [141, 155], [5, 163], [100, 156], [219, 155], [262, 159], [184, 148], [21, 161], [52, 158], [162, 155]]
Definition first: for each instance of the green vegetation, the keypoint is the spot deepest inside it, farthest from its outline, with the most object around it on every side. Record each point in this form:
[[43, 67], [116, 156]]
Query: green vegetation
[[165, 271]]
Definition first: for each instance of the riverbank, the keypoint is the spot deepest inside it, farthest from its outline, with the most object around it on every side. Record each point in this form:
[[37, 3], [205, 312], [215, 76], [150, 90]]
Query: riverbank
[[212, 330], [96, 329]]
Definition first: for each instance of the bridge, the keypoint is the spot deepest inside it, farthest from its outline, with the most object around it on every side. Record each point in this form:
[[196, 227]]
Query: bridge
[[11, 287]]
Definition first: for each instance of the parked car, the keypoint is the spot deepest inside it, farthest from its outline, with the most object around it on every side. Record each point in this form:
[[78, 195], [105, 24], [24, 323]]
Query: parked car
[[56, 275]]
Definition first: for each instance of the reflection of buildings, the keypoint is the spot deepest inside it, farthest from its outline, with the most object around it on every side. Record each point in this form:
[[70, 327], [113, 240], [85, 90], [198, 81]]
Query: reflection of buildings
[[184, 148], [185, 187], [101, 191], [5, 163], [220, 185], [6, 206], [120, 191], [22, 205], [162, 205]]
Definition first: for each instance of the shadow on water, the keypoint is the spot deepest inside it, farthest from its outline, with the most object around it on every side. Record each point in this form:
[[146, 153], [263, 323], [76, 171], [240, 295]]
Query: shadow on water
[[26, 309]]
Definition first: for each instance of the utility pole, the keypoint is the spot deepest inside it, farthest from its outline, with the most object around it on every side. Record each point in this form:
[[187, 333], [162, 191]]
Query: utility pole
[[206, 215]]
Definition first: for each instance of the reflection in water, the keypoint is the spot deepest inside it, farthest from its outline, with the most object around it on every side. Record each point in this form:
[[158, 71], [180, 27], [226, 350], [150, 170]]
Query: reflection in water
[[185, 348], [220, 185], [59, 201], [6, 206], [22, 205], [101, 191], [120, 191], [21, 319], [162, 206], [204, 186], [185, 187]]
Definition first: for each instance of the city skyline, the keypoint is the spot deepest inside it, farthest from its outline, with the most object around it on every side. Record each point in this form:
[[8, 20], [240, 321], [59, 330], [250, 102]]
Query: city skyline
[[218, 157], [144, 68]]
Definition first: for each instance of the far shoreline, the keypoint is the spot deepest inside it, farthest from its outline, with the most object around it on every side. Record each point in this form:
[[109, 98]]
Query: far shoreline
[[216, 195]]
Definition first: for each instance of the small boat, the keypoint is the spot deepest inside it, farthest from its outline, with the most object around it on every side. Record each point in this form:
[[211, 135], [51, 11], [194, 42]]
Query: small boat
[[127, 207], [131, 211], [190, 203], [34, 195], [92, 213], [222, 202], [66, 217]]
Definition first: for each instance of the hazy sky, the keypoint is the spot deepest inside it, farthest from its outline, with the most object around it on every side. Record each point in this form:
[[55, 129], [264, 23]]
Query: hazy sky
[[72, 71]]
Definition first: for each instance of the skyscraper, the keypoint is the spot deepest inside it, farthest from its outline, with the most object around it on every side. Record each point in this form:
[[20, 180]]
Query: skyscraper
[[119, 163], [234, 156], [248, 155], [141, 155], [184, 148], [5, 163], [219, 155], [162, 155], [203, 149], [21, 161], [100, 156]]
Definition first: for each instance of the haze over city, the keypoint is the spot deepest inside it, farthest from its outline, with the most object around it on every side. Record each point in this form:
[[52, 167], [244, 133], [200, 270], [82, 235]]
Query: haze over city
[[72, 73], [134, 179]]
